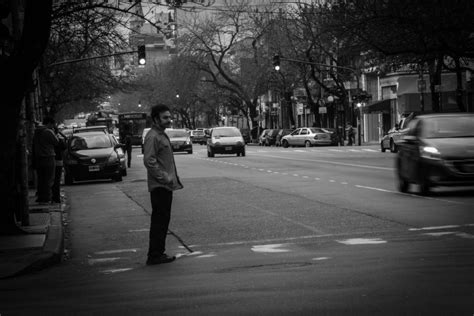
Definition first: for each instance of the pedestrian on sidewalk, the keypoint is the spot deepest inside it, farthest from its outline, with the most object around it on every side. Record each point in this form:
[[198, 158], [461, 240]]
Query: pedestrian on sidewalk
[[128, 145], [58, 161], [44, 142], [162, 181], [350, 134]]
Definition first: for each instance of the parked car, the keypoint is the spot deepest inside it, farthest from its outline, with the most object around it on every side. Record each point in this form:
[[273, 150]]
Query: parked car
[[281, 133], [97, 128], [306, 136], [198, 136], [91, 155], [145, 131], [225, 140], [395, 134], [180, 140], [437, 150], [270, 137], [263, 135]]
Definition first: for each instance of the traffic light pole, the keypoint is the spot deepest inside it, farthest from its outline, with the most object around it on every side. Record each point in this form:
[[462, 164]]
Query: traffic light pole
[[72, 61]]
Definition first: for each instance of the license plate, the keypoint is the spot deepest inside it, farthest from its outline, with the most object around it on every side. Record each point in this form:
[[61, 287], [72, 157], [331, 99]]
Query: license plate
[[228, 148], [94, 168]]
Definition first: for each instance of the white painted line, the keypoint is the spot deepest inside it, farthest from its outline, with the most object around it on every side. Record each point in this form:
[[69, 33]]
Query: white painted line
[[434, 227], [371, 150], [344, 183], [188, 254], [320, 258], [305, 177], [362, 241], [108, 252], [299, 151], [271, 248], [330, 162], [338, 150], [275, 172], [284, 173], [332, 180], [295, 175], [269, 171], [465, 235], [139, 230], [140, 156], [408, 194], [317, 179], [439, 234], [261, 169], [102, 260], [210, 255], [116, 270]]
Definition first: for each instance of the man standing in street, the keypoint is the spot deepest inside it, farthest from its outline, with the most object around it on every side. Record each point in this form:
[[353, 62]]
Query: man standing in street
[[44, 142], [128, 145], [162, 181]]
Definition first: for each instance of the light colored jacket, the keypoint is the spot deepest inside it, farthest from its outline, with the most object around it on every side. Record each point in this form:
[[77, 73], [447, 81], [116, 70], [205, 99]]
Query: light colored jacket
[[158, 159]]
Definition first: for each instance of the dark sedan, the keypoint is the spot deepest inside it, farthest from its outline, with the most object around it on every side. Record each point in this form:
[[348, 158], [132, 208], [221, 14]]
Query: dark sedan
[[92, 155], [180, 140], [437, 150]]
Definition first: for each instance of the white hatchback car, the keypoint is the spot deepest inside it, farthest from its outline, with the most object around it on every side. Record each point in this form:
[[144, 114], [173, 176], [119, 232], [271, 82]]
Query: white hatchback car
[[306, 136], [225, 140]]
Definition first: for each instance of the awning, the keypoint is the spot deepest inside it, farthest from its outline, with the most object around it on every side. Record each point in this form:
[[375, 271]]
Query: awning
[[379, 106]]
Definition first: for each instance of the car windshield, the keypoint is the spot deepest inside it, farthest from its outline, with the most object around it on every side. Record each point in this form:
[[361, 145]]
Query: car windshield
[[447, 127], [176, 133], [198, 133], [90, 142], [226, 132]]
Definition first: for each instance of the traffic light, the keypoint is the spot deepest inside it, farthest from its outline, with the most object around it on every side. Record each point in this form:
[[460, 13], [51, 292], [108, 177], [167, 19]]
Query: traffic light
[[276, 62], [141, 55]]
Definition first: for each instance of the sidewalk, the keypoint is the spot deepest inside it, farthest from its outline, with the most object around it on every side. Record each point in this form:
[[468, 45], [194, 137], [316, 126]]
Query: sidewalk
[[42, 244]]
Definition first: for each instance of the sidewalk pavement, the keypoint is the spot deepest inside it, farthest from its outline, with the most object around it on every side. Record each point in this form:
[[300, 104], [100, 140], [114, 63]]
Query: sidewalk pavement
[[42, 244]]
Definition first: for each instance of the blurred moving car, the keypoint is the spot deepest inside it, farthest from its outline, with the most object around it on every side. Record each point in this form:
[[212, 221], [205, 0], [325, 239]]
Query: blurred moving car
[[180, 140], [91, 155], [395, 134], [281, 133], [306, 136], [198, 136], [225, 140], [437, 150]]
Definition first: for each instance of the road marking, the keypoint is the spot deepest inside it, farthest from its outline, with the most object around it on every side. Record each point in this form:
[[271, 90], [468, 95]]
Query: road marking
[[271, 248], [330, 162], [108, 252], [362, 241], [332, 180], [439, 234], [209, 255], [295, 175], [139, 230], [465, 235], [188, 254], [344, 183], [321, 258], [408, 194], [140, 156], [317, 179], [434, 227], [102, 260], [116, 270]]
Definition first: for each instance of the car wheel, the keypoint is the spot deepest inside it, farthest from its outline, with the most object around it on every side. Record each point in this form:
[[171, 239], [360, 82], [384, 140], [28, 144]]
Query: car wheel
[[307, 143], [382, 148], [393, 146], [68, 178], [210, 153], [402, 184], [190, 151], [285, 143], [124, 172], [242, 153], [118, 178]]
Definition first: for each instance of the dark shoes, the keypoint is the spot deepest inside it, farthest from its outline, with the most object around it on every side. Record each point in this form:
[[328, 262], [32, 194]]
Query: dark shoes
[[164, 258]]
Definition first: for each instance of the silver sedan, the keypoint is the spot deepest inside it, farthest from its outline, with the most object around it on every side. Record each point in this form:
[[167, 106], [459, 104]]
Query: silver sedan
[[306, 136]]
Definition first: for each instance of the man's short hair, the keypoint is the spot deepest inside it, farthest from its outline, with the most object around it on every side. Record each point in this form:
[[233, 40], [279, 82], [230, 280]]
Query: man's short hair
[[48, 120], [157, 109]]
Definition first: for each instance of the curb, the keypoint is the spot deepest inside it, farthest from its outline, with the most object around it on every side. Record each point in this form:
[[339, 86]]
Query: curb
[[52, 250]]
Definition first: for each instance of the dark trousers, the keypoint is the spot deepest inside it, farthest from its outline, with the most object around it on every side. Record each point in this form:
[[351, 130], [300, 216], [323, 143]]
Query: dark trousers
[[129, 157], [161, 199], [45, 171], [56, 196]]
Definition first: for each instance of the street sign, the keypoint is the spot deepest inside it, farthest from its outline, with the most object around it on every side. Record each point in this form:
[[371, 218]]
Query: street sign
[[323, 110]]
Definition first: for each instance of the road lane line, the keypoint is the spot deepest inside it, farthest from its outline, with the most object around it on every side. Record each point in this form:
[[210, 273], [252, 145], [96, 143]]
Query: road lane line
[[434, 227], [330, 162], [408, 194], [116, 270], [362, 241], [108, 252], [102, 260]]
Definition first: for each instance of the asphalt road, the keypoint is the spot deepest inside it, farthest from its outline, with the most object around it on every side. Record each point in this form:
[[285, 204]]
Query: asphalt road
[[310, 231]]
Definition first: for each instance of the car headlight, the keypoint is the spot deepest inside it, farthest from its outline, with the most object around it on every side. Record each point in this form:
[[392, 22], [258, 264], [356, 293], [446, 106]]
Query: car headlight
[[430, 152], [217, 144], [113, 158], [188, 141], [240, 143]]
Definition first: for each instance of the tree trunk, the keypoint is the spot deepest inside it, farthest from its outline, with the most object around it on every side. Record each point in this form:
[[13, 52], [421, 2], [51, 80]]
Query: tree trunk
[[459, 93], [435, 67]]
